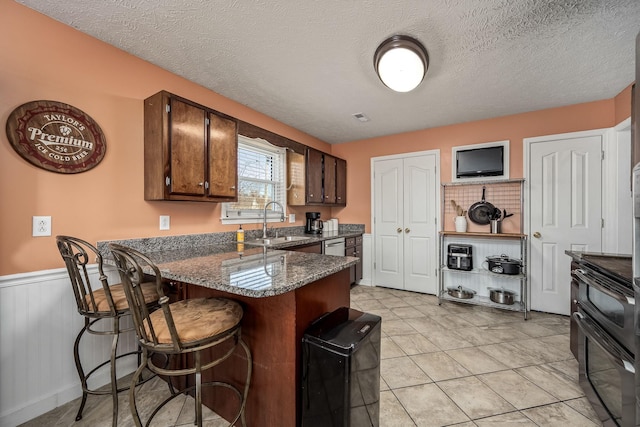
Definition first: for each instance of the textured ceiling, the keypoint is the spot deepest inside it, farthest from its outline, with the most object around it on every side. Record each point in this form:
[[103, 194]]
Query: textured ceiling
[[309, 63]]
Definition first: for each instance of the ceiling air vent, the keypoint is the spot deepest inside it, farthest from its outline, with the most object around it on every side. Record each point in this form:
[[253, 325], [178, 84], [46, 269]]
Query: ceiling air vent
[[361, 117]]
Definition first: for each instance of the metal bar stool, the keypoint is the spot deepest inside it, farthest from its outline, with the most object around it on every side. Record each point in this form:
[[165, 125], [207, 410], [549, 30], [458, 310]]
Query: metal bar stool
[[95, 303], [183, 327]]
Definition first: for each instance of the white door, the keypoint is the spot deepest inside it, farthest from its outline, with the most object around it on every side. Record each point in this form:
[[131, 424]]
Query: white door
[[405, 211], [388, 219], [420, 234], [565, 214]]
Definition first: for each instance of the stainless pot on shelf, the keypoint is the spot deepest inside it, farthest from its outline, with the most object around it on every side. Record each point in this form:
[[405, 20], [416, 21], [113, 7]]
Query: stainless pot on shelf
[[502, 296], [460, 292]]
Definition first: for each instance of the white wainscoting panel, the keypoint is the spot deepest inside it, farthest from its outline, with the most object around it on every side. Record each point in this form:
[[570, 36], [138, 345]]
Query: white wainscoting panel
[[39, 322], [367, 260]]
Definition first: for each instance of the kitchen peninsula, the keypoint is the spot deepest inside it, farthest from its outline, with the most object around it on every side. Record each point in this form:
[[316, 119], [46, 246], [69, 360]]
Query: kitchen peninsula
[[281, 292]]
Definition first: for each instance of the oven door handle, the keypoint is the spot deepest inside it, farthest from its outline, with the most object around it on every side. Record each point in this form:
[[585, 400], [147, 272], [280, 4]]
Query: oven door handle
[[610, 351], [623, 299]]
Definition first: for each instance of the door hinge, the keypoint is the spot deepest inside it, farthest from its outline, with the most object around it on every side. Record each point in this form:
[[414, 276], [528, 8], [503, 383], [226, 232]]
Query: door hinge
[[167, 108], [167, 181], [206, 121], [601, 222], [602, 154]]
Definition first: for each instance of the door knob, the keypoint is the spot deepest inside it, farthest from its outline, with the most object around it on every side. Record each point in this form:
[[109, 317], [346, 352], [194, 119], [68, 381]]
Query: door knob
[[406, 230], [537, 235], [399, 230]]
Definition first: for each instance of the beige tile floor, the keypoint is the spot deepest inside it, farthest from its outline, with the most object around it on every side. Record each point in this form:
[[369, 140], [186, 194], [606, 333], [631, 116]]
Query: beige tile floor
[[447, 365]]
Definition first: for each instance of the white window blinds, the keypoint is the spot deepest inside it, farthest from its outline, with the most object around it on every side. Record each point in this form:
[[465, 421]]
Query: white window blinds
[[261, 179]]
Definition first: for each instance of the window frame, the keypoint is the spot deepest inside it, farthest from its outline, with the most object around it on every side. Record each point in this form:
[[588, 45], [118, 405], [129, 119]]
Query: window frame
[[255, 216]]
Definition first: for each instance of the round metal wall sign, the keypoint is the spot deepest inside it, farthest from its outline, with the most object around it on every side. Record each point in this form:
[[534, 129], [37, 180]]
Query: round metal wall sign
[[56, 137]]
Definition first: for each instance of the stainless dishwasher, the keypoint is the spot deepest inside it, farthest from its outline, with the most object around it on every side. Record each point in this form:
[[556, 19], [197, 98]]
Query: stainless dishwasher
[[333, 247]]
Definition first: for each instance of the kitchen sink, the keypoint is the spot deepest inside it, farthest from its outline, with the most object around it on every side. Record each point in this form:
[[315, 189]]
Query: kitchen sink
[[271, 241]]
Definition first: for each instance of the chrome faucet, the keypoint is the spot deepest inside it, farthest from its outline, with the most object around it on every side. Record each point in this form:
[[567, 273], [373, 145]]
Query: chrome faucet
[[264, 218]]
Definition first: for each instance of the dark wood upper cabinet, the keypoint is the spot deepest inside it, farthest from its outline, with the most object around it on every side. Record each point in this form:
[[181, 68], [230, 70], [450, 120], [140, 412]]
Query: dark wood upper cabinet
[[326, 179], [187, 146], [190, 151], [314, 176], [223, 157], [329, 184], [341, 181]]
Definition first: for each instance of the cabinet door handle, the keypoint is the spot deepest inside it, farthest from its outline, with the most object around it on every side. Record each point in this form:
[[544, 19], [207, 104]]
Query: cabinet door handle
[[233, 187], [406, 230], [200, 184], [399, 230]]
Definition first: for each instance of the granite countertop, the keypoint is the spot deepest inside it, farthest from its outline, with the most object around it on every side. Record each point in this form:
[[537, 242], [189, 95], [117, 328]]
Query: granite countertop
[[257, 272], [617, 265], [215, 261]]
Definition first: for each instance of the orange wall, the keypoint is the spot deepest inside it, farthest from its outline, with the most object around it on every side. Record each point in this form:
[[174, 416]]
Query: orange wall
[[593, 115], [43, 59]]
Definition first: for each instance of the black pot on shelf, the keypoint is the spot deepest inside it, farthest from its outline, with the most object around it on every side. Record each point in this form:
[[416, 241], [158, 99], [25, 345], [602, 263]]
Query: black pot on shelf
[[502, 264]]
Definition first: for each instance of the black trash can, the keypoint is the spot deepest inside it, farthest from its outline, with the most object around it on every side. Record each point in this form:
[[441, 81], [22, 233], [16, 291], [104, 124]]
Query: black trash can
[[341, 370]]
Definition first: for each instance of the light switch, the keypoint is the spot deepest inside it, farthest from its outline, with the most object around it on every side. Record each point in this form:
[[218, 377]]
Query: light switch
[[292, 218], [165, 222]]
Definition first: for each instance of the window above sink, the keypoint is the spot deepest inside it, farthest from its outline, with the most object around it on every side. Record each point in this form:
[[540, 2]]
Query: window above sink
[[261, 179]]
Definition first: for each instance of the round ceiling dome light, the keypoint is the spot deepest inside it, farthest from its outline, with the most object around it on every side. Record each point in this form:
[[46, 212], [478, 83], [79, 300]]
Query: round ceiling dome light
[[401, 63]]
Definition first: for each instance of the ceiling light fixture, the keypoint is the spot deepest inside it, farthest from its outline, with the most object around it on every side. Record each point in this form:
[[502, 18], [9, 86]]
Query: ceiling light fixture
[[401, 63]]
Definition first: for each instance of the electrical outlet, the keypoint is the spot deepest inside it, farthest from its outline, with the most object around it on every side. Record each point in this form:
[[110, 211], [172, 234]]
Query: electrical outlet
[[292, 218], [41, 226], [165, 222]]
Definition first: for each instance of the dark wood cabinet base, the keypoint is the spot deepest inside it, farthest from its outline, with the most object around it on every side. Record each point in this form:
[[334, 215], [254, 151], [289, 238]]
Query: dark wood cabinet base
[[272, 328]]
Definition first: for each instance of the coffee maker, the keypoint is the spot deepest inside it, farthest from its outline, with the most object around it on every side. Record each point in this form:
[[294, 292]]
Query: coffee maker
[[314, 224]]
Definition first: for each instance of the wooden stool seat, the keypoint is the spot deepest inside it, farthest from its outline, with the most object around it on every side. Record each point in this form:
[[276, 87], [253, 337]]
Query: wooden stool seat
[[101, 299], [186, 327], [197, 319]]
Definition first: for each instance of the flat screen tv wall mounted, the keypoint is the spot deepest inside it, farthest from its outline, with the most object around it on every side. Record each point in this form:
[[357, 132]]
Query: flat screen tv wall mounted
[[480, 162]]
